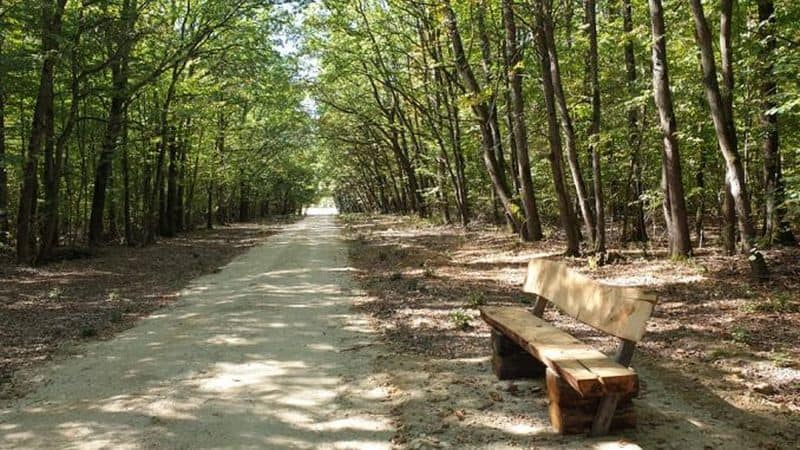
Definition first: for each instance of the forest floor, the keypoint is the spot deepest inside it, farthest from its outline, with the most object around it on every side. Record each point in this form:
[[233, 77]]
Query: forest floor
[[45, 309], [719, 365]]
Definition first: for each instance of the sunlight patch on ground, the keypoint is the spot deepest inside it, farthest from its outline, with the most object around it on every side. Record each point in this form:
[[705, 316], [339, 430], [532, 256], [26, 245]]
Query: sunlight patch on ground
[[321, 211], [616, 445]]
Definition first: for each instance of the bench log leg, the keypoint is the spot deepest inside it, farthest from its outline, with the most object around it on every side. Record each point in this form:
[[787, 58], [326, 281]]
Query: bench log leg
[[572, 414], [511, 362]]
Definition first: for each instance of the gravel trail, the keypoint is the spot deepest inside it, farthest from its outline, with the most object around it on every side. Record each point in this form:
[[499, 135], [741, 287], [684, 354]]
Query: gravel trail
[[266, 353]]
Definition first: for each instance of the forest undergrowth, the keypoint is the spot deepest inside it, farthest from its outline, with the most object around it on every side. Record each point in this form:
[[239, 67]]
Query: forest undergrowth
[[720, 354]]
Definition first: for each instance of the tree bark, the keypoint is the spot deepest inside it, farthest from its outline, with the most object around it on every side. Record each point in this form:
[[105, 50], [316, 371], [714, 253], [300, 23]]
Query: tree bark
[[594, 130], [533, 227], [4, 222], [675, 202], [566, 214], [126, 185], [726, 137], [726, 60], [41, 130], [172, 187], [636, 210], [494, 121], [119, 96], [54, 151], [544, 10], [481, 110], [156, 215], [776, 227]]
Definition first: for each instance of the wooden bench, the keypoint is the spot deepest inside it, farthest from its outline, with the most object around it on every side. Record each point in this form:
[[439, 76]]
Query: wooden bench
[[586, 388]]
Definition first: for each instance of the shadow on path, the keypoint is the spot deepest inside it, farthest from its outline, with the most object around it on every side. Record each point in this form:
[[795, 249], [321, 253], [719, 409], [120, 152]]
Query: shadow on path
[[264, 354]]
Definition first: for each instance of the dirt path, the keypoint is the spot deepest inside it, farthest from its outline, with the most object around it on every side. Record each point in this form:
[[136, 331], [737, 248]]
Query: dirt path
[[264, 354]]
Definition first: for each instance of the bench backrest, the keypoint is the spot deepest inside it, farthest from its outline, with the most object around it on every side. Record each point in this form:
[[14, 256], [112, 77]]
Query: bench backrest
[[616, 310]]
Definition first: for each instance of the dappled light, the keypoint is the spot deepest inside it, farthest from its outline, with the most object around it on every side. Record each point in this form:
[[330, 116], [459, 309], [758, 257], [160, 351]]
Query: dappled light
[[250, 357], [399, 224], [445, 386]]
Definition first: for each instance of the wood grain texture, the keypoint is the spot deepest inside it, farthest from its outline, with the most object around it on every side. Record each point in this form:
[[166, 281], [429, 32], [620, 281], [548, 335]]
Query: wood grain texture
[[570, 413], [619, 311], [588, 371]]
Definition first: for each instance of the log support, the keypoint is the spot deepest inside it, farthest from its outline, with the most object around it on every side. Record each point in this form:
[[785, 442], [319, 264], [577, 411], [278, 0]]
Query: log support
[[572, 414], [511, 362], [608, 405]]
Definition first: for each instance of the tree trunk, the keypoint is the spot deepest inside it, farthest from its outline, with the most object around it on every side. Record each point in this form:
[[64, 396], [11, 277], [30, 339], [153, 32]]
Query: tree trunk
[[481, 110], [104, 164], [636, 210], [41, 131], [566, 214], [189, 219], [776, 227], [180, 193], [210, 206], [126, 185], [533, 227], [700, 182], [594, 130], [494, 121], [119, 96], [155, 217], [566, 120], [454, 124], [55, 149], [726, 137], [4, 222], [675, 202], [726, 53], [244, 200], [171, 214]]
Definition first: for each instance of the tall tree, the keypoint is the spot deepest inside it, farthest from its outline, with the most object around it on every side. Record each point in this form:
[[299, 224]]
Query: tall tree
[[675, 209], [533, 226], [544, 10], [121, 50], [726, 137], [4, 223], [776, 228], [594, 129], [42, 129], [482, 112], [565, 211], [727, 91], [636, 209]]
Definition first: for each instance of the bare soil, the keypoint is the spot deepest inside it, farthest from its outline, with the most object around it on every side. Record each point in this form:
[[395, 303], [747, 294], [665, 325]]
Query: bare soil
[[45, 309], [718, 366], [266, 353]]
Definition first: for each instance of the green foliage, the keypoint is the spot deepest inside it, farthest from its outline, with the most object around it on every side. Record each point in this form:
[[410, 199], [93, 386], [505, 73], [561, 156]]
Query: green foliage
[[208, 75], [476, 299], [741, 335], [460, 319], [776, 303]]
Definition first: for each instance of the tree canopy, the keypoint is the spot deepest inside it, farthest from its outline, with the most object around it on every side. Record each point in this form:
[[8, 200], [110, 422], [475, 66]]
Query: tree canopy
[[129, 120], [622, 114]]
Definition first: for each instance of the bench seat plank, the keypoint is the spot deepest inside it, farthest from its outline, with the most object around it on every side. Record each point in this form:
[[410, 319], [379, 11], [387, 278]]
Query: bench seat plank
[[590, 372]]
